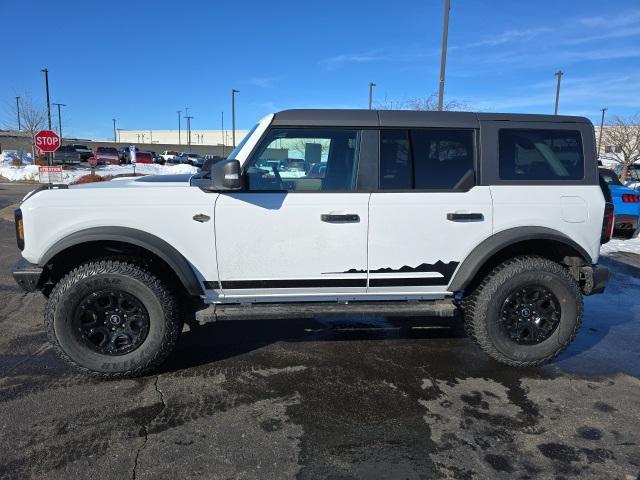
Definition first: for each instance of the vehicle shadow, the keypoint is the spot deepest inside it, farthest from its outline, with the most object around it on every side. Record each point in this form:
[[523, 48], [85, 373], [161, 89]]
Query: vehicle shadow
[[216, 342]]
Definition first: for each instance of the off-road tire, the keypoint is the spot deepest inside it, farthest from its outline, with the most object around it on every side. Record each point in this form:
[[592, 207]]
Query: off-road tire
[[165, 318], [482, 310]]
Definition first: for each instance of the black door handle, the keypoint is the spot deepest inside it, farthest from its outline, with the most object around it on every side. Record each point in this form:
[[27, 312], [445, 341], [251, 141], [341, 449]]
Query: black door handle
[[340, 218], [465, 217]]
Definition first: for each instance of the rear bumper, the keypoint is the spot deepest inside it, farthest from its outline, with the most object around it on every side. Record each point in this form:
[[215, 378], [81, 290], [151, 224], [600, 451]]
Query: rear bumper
[[626, 224], [27, 275]]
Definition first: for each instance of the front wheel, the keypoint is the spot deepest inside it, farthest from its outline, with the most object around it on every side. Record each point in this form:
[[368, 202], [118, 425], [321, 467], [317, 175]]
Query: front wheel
[[112, 319], [524, 312]]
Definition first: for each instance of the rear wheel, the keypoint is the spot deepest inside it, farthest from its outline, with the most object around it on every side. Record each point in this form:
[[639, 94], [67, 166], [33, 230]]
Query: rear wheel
[[112, 319], [524, 312]]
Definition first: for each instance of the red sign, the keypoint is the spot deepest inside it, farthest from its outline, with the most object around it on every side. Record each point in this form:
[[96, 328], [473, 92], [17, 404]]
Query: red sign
[[93, 161], [47, 141], [50, 174]]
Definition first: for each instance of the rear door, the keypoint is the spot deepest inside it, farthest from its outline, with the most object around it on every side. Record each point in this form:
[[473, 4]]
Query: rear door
[[428, 212], [292, 234]]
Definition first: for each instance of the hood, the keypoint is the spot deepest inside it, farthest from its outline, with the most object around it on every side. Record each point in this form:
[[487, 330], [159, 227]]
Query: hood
[[146, 181]]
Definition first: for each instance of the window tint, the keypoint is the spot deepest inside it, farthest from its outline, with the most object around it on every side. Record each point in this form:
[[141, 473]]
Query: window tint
[[540, 155], [441, 157], [305, 159], [424, 159], [395, 163]]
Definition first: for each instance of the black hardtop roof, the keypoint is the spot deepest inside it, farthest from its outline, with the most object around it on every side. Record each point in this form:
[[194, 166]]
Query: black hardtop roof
[[407, 118]]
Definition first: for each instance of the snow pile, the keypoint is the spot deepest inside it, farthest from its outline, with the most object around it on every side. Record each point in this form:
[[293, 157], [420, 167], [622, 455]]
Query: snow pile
[[617, 245], [30, 172], [8, 158]]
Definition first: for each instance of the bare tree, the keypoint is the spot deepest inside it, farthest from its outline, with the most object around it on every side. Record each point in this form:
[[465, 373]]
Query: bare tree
[[32, 118], [429, 103], [622, 142]]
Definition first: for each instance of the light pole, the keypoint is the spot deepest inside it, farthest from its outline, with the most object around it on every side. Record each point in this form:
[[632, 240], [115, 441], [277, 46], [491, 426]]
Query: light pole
[[601, 130], [558, 74], [115, 136], [233, 115], [18, 110], [189, 131], [179, 139], [443, 58], [222, 131], [59, 118], [46, 84], [371, 85]]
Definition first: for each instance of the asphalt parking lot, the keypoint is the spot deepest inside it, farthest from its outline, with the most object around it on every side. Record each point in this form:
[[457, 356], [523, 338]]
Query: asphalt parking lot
[[363, 398]]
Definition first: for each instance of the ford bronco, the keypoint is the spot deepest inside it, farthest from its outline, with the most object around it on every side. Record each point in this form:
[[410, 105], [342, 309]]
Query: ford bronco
[[330, 212]]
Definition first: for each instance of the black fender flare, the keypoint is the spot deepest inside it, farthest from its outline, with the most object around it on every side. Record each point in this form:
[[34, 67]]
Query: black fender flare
[[492, 245], [139, 238]]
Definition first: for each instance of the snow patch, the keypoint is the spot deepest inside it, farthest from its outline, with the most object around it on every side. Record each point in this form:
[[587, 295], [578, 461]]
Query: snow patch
[[617, 245], [29, 172]]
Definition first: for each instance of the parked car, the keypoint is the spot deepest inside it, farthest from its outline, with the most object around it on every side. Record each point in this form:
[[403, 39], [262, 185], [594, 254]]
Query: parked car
[[85, 152], [125, 154], [317, 170], [626, 202], [169, 156], [191, 158], [144, 157], [498, 217], [67, 154], [106, 155]]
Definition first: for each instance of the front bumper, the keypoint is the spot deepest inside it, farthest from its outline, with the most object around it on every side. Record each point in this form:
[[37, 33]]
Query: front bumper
[[27, 275], [594, 279]]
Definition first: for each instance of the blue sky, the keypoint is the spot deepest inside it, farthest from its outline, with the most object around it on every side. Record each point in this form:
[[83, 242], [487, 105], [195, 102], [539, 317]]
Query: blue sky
[[139, 61]]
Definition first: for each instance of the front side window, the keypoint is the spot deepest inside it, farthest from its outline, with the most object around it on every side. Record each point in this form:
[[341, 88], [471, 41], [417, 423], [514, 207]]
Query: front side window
[[528, 154], [425, 159], [305, 159]]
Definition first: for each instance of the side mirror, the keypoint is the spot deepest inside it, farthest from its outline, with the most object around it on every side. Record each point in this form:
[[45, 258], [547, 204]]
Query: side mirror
[[225, 175]]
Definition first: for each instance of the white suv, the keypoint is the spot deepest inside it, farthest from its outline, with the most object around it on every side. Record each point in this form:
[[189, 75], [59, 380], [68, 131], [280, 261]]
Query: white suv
[[330, 212]]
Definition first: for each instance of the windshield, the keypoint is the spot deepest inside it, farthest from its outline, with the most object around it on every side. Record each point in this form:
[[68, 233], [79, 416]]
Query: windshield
[[236, 150]]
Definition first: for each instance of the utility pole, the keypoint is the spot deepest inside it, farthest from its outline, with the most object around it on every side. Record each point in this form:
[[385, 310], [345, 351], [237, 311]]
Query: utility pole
[[18, 110], [233, 115], [371, 85], [601, 130], [189, 131], [59, 118], [46, 84], [115, 136], [558, 74], [179, 139], [443, 58], [222, 131]]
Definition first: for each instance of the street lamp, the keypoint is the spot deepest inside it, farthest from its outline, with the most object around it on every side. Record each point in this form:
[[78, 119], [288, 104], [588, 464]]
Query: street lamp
[[46, 85], [443, 57], [371, 85], [558, 74], [18, 110], [233, 115], [601, 130], [59, 118], [115, 136], [179, 139], [189, 131]]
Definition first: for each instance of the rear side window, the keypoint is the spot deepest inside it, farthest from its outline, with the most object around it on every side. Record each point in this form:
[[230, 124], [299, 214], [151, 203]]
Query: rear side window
[[425, 159], [527, 154]]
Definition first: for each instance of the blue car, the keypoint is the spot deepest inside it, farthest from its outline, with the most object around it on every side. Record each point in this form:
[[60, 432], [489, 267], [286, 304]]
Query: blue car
[[626, 203]]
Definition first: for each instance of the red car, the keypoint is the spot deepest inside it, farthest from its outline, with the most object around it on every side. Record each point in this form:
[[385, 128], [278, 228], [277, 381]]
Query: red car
[[105, 155], [144, 157]]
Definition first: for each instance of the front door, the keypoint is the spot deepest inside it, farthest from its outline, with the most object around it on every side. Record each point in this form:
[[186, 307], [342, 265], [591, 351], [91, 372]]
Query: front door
[[299, 229], [427, 214]]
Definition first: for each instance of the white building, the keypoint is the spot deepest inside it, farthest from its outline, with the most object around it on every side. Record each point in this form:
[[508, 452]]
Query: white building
[[173, 137]]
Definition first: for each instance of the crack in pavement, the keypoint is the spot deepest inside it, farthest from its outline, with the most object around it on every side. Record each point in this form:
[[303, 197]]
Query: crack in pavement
[[145, 428]]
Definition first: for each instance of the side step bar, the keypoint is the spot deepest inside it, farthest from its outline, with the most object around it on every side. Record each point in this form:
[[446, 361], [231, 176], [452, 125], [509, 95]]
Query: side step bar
[[274, 311]]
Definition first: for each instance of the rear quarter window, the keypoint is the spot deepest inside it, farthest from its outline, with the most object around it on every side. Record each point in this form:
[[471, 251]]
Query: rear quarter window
[[532, 154]]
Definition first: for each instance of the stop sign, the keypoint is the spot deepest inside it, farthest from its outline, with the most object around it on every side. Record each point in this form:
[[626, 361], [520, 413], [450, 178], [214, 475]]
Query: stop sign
[[47, 141]]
